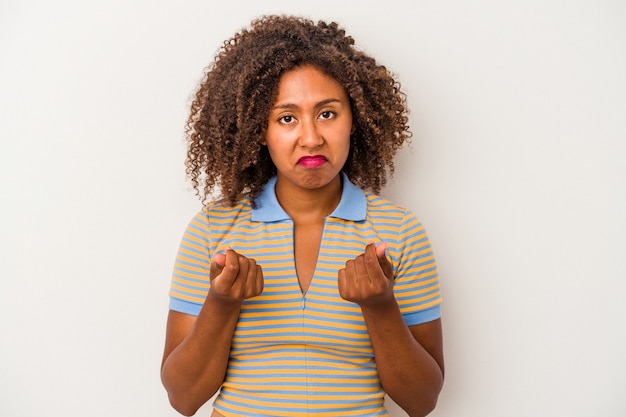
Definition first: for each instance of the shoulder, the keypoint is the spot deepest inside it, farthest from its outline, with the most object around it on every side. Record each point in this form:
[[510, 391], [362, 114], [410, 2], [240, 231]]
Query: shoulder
[[380, 207], [217, 214], [220, 208], [397, 225]]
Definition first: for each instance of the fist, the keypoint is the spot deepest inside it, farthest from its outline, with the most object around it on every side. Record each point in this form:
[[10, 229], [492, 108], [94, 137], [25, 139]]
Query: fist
[[367, 280], [234, 277]]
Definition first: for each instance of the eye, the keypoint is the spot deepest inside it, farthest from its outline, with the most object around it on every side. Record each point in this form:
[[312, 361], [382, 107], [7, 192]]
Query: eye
[[287, 119], [327, 114]]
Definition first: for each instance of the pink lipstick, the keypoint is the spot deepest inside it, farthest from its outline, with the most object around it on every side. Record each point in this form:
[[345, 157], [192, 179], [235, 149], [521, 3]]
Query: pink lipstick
[[312, 161]]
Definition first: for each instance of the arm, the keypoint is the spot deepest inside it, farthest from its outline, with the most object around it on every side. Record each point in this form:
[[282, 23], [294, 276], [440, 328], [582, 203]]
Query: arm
[[409, 360], [197, 349]]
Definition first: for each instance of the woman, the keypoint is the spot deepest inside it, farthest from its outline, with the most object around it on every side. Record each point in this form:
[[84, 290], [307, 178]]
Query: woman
[[298, 293]]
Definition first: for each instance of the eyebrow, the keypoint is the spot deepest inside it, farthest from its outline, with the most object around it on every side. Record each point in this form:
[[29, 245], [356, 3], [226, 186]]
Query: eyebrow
[[294, 106]]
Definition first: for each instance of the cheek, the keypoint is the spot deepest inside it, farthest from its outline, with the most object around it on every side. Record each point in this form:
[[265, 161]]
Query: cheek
[[275, 148], [343, 148], [347, 142]]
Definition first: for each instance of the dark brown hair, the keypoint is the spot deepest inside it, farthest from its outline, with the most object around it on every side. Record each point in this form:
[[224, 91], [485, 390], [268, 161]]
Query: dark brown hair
[[230, 111]]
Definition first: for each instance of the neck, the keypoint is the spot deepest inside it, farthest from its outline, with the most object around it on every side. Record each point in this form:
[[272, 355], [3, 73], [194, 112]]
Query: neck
[[309, 205]]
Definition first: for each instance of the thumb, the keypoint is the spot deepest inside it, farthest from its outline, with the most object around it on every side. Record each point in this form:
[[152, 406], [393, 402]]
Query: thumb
[[380, 251], [219, 260], [384, 263]]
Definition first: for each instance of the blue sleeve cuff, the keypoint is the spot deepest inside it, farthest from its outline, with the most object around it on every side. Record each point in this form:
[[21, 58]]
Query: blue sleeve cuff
[[411, 319], [423, 316], [176, 304]]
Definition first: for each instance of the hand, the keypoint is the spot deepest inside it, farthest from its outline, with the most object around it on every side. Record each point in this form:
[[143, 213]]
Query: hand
[[368, 279], [234, 277]]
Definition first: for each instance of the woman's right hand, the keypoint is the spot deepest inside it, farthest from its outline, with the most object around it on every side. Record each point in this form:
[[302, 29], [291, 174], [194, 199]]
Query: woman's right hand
[[234, 278]]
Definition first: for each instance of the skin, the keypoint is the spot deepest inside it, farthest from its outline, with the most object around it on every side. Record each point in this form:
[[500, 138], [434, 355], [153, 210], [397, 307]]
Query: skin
[[308, 137]]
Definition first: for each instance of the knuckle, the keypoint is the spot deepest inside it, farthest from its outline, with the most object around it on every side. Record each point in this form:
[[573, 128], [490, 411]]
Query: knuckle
[[231, 268], [369, 261]]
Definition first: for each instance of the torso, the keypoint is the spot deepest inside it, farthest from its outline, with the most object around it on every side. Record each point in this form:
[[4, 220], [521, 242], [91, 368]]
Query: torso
[[283, 323]]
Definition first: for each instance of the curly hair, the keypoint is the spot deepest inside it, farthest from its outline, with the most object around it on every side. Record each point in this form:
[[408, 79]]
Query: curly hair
[[229, 114]]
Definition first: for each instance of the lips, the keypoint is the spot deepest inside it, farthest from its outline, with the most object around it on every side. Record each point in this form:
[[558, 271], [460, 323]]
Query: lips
[[313, 161]]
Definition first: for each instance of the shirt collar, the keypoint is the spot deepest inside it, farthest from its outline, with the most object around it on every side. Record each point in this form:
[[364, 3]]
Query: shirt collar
[[352, 206]]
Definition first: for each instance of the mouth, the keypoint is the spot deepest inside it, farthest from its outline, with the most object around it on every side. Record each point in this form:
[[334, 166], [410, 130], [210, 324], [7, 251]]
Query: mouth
[[312, 161]]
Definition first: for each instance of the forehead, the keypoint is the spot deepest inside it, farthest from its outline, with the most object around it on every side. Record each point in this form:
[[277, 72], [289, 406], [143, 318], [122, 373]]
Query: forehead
[[308, 81]]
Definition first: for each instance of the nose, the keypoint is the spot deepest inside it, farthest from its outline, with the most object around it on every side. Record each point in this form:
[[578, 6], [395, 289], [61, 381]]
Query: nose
[[310, 135]]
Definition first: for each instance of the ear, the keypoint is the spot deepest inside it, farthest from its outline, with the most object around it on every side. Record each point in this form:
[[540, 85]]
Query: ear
[[353, 129]]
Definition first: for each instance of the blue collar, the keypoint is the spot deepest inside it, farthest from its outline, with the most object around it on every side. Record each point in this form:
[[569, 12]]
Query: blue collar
[[352, 206]]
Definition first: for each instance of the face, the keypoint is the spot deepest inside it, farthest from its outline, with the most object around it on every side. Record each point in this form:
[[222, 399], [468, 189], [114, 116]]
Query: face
[[309, 127]]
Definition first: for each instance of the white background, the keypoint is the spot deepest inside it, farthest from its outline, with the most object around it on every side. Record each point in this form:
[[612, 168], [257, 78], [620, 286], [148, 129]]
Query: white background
[[517, 169]]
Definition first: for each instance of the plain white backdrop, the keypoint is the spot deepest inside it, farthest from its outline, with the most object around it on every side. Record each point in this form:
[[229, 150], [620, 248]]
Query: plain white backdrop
[[516, 167]]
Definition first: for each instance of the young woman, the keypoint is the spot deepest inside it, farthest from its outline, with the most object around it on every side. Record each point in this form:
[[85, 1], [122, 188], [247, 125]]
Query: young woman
[[300, 291]]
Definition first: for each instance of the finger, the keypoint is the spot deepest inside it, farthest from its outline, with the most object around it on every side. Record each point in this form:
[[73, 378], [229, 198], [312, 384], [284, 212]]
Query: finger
[[341, 282], [350, 278], [231, 265], [361, 274], [370, 252], [250, 278], [371, 261], [244, 267], [260, 281]]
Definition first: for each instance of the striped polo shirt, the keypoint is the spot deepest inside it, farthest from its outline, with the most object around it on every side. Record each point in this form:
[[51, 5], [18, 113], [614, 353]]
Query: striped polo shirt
[[296, 354]]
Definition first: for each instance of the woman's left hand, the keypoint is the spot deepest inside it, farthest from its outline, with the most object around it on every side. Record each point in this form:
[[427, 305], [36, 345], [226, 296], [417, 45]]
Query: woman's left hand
[[367, 280]]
